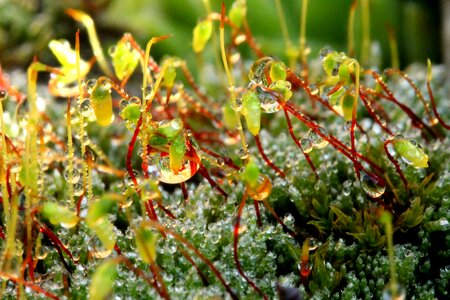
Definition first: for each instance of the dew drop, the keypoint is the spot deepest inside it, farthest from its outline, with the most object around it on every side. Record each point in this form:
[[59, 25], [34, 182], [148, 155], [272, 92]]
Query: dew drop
[[371, 186], [317, 140], [400, 293], [243, 154], [261, 190], [346, 189], [268, 101], [78, 189], [306, 145], [90, 84], [324, 53]]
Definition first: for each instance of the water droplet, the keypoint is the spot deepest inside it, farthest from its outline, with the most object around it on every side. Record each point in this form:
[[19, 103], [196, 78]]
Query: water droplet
[[306, 145], [90, 85], [85, 108], [313, 244], [346, 189], [262, 189], [268, 101], [3, 95], [190, 166], [123, 103], [371, 186], [135, 100], [257, 72], [106, 84], [324, 52], [112, 50], [237, 105], [317, 140], [148, 92], [400, 292], [243, 154], [78, 189], [348, 125]]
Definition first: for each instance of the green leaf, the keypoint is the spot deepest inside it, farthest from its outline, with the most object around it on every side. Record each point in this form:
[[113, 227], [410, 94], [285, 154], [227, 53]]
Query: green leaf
[[177, 150], [413, 216], [169, 75], [58, 214], [101, 101], [278, 71], [238, 12], [172, 128], [100, 208], [124, 59], [131, 113], [251, 173], [146, 244], [202, 33], [102, 281], [411, 153], [251, 110]]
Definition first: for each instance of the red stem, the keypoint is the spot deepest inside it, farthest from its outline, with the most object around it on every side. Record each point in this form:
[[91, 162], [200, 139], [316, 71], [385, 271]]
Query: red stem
[[266, 159], [235, 248]]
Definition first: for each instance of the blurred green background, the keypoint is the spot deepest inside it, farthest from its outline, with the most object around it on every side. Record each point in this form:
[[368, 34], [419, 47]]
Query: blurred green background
[[26, 26]]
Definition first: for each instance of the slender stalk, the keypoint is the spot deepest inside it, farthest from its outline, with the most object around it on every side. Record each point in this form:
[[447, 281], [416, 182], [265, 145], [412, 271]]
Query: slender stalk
[[231, 85], [386, 219], [87, 21], [365, 47], [302, 38], [292, 56], [350, 29], [393, 47]]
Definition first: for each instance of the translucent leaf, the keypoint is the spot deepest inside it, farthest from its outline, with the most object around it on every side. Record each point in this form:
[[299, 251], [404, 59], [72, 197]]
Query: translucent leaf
[[67, 58], [102, 281]]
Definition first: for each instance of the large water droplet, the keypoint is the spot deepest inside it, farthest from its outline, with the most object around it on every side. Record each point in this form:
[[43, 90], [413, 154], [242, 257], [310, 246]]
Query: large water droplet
[[371, 186], [268, 101], [261, 190]]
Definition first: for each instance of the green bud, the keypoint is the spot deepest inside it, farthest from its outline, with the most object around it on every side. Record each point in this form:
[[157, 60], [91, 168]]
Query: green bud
[[101, 102], [100, 208], [102, 281], [67, 58], [157, 140], [177, 150], [251, 110], [58, 214], [124, 59], [347, 106], [238, 12], [202, 33], [171, 129], [411, 153], [131, 113], [278, 71], [146, 244], [169, 75], [251, 173], [229, 116]]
